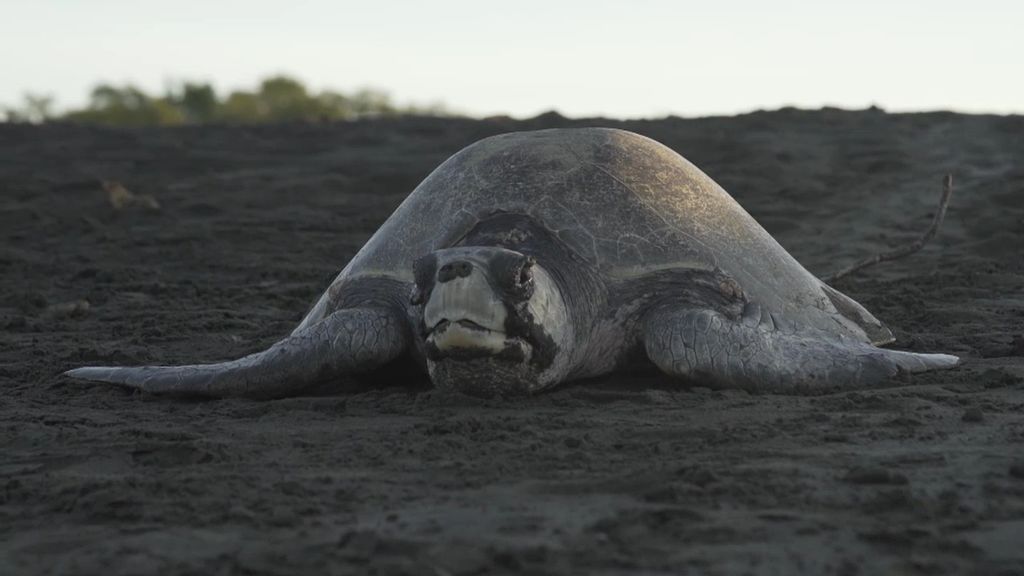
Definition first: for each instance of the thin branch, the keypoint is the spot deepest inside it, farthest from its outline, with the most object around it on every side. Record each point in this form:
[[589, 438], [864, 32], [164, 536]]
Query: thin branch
[[907, 249]]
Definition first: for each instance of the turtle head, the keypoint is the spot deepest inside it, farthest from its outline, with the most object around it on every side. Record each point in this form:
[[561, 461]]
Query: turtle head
[[492, 321]]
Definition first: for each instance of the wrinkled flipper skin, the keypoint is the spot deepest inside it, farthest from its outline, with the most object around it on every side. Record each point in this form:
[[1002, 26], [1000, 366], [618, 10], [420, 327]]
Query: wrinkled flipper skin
[[348, 341], [754, 353]]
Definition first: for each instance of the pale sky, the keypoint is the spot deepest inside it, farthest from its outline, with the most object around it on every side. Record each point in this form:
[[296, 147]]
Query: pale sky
[[639, 58]]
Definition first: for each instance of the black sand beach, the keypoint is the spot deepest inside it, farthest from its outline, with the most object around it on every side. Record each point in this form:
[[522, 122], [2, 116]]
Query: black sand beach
[[614, 476]]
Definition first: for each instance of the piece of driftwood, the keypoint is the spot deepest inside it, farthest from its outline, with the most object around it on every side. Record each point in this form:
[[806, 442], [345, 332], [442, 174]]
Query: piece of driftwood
[[906, 249]]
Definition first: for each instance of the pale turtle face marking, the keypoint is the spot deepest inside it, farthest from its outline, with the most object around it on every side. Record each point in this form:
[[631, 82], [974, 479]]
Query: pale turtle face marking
[[490, 317]]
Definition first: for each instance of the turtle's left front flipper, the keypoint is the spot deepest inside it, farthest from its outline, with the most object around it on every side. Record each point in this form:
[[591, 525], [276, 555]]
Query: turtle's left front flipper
[[348, 341], [754, 353]]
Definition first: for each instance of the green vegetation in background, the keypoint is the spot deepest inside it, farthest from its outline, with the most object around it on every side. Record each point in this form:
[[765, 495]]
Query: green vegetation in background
[[277, 99]]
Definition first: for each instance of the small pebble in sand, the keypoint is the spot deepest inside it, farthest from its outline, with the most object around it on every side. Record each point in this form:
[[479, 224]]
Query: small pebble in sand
[[973, 414], [76, 308]]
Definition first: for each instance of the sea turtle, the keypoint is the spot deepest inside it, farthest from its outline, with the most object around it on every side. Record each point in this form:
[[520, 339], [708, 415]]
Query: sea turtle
[[533, 258]]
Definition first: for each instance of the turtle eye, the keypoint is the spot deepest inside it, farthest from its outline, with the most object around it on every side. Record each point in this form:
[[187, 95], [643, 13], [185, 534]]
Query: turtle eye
[[416, 298], [512, 274], [423, 270], [522, 284]]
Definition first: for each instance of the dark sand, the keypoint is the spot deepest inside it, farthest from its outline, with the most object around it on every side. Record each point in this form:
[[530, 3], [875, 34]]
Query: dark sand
[[622, 475]]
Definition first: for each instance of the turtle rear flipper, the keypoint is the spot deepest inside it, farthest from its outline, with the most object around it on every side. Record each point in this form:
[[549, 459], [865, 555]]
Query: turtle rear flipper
[[348, 341], [713, 349]]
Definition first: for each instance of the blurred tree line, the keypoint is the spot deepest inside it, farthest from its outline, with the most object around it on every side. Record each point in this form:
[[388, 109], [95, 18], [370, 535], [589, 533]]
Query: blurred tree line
[[277, 99]]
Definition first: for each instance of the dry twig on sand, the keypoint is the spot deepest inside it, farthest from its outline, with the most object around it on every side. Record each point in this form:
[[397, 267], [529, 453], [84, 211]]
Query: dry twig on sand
[[907, 249], [121, 198]]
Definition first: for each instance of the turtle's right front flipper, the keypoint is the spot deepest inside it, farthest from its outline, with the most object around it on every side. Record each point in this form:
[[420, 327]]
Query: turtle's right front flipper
[[348, 341], [752, 352]]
